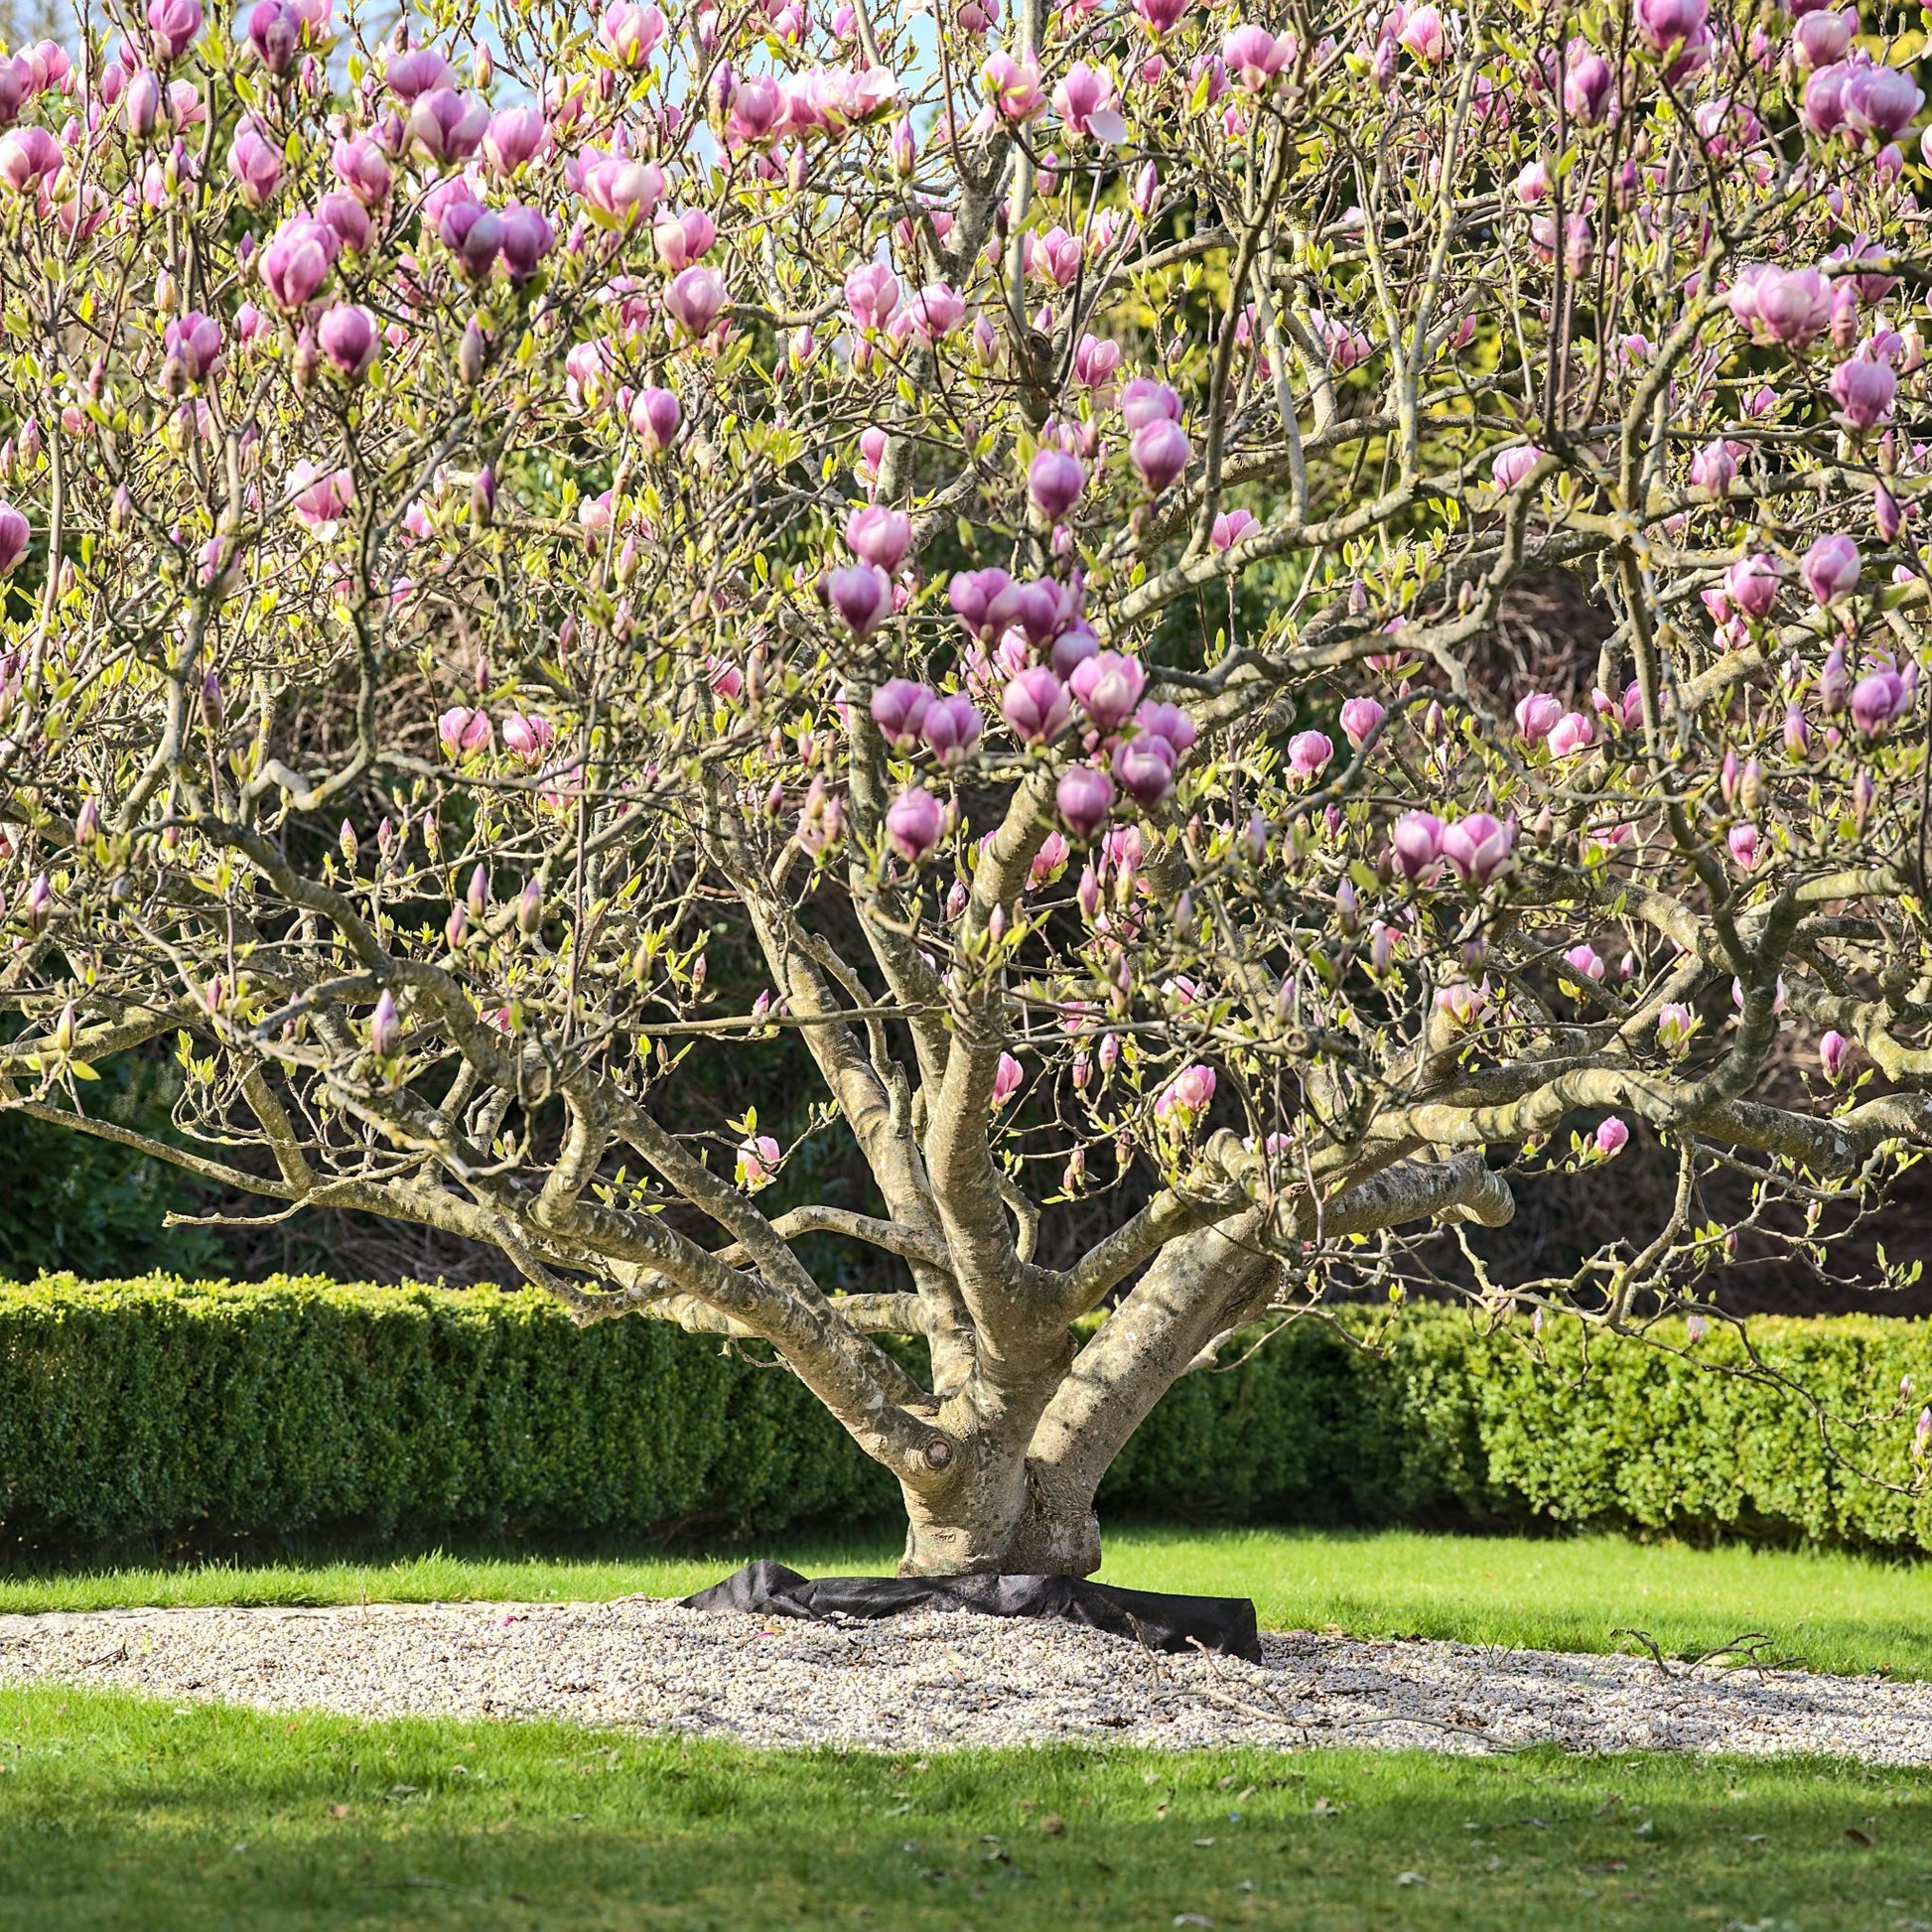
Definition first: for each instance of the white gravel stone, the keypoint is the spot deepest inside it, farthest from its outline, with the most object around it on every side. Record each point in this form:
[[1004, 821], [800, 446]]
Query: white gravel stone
[[950, 1677]]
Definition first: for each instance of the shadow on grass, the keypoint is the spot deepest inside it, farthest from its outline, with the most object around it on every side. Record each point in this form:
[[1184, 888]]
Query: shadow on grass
[[118, 1812]]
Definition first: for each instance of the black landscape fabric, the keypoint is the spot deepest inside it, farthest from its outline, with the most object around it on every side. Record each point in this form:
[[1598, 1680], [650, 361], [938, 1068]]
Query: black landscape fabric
[[1222, 1624]]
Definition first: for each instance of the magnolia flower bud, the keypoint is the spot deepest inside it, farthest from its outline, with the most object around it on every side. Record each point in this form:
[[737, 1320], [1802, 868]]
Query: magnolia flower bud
[[385, 1026], [530, 909]]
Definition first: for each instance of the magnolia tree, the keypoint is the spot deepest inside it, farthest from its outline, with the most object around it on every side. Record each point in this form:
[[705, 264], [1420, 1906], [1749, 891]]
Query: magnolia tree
[[991, 514]]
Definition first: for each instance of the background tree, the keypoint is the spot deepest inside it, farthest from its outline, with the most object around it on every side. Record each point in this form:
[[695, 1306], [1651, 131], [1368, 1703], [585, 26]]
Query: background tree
[[509, 521]]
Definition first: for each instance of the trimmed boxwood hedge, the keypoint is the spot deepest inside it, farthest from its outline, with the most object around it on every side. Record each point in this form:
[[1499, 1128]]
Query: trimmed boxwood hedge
[[157, 1409]]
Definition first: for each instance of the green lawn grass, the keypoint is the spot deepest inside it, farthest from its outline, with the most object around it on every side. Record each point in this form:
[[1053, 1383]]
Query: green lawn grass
[[1834, 1612], [118, 1812]]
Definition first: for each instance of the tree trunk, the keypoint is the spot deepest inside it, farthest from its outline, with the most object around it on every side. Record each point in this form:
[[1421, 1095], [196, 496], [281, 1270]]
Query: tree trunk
[[1008, 1523], [1030, 1511]]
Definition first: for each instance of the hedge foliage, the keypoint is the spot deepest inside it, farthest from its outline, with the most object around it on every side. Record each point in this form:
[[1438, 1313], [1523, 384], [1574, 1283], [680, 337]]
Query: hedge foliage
[[154, 1409]]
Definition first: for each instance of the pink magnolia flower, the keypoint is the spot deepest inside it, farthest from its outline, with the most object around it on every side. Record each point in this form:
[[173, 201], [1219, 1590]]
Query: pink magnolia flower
[[1071, 649], [462, 731], [862, 595], [1572, 733], [1169, 721], [1230, 526], [1878, 701], [913, 825], [513, 139], [29, 157], [934, 312], [1880, 102], [526, 239], [898, 708], [1786, 307], [1054, 256], [348, 337], [275, 33], [982, 600], [1013, 86], [757, 109], [1820, 38], [1255, 58], [1532, 184], [530, 737], [871, 295], [14, 533], [1144, 401], [1832, 1053], [417, 72], [1745, 847], [298, 261], [255, 163], [683, 239], [619, 192], [1036, 706], [1422, 35], [1676, 1023], [347, 219], [447, 125], [1537, 715], [1049, 860], [951, 727], [1108, 685], [1588, 84], [1584, 962], [386, 1026], [878, 535], [1714, 469], [175, 24], [1478, 847], [1160, 16], [655, 414], [1830, 569], [320, 498], [1309, 753], [759, 1160], [631, 33], [361, 167], [1512, 465], [695, 300], [1416, 840], [193, 343], [1089, 103], [1096, 359], [1864, 390], [1664, 26], [1752, 584], [1007, 1078], [1160, 451], [1055, 482], [1359, 717], [1085, 797], [1613, 1136], [1145, 767], [1187, 1097]]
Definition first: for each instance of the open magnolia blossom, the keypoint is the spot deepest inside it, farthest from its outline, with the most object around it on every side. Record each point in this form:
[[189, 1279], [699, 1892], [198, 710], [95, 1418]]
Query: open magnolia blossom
[[976, 523]]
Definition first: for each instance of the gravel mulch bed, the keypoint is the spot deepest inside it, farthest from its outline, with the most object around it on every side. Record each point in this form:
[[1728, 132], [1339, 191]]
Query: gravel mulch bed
[[946, 1679]]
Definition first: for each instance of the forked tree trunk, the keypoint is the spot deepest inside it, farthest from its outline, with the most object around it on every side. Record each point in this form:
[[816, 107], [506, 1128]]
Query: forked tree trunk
[[1027, 1506]]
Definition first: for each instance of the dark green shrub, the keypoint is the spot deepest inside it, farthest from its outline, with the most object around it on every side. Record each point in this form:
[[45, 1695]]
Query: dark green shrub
[[158, 1409]]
